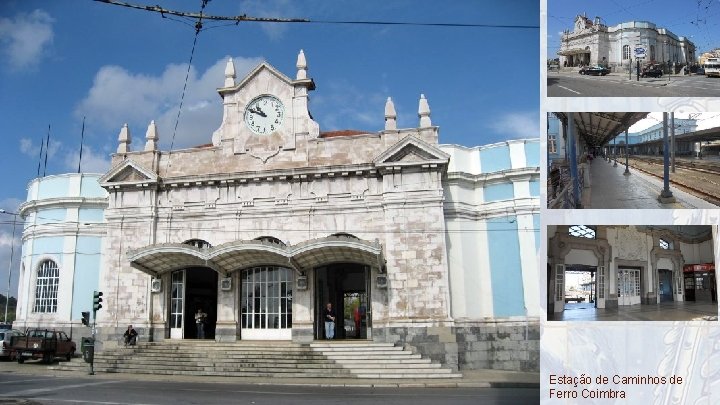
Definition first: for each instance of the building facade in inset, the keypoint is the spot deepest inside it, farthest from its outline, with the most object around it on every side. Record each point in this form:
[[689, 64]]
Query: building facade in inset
[[592, 42], [633, 265]]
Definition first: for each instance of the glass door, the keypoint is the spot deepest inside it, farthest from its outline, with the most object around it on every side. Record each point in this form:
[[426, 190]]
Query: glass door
[[177, 304]]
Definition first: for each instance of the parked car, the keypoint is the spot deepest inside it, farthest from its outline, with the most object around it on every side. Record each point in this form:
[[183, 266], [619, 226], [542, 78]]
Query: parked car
[[595, 70], [6, 336], [651, 71], [43, 344]]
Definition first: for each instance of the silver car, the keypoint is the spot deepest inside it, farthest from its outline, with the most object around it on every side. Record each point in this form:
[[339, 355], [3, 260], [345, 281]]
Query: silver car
[[5, 336]]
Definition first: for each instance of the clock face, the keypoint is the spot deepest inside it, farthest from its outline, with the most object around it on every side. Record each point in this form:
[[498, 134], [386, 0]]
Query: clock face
[[264, 114]]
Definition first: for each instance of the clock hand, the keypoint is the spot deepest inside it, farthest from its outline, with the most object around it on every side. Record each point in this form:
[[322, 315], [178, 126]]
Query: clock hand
[[259, 111]]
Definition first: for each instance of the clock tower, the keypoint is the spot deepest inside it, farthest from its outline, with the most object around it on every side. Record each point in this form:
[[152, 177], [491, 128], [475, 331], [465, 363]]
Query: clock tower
[[266, 112]]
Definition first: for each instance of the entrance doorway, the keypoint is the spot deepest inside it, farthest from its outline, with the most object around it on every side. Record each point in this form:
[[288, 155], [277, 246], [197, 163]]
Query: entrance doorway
[[347, 288], [628, 282], [192, 289], [665, 288]]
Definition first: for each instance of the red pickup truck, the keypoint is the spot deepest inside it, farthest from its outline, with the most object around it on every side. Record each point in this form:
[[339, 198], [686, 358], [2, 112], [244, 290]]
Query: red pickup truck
[[43, 344]]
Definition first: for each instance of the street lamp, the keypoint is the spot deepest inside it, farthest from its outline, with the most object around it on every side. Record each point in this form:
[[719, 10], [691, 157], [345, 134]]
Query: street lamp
[[12, 252]]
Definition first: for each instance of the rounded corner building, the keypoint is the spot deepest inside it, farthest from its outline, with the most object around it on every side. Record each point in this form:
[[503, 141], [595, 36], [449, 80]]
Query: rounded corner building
[[414, 244]]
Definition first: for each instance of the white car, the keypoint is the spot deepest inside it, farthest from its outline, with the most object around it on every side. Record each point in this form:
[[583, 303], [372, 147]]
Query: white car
[[5, 336]]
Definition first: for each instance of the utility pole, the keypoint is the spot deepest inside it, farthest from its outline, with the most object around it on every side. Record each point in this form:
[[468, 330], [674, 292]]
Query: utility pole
[[627, 171]]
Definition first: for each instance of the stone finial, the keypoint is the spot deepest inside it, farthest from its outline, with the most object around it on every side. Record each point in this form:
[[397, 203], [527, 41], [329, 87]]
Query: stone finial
[[424, 112], [301, 66], [151, 136], [124, 139], [390, 115], [230, 73]]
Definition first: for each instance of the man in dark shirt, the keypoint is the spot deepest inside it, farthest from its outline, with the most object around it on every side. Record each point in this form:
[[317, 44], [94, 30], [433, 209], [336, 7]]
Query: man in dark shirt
[[329, 315], [130, 336]]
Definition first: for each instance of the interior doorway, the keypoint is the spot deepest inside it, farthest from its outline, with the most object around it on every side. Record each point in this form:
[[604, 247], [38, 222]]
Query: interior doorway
[[580, 287], [628, 282], [346, 287], [665, 287]]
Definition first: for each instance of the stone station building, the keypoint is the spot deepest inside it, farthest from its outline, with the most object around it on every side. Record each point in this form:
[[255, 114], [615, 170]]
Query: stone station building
[[416, 243]]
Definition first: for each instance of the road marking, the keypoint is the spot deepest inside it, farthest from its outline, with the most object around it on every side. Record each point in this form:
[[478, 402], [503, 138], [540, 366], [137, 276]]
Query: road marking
[[61, 387], [78, 401], [563, 87]]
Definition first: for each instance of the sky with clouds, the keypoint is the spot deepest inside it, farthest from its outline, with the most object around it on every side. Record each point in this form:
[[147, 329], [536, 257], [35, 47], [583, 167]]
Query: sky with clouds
[[62, 62]]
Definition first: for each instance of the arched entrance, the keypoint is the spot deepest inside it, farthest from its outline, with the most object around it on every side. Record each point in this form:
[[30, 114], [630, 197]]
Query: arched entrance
[[347, 287], [192, 288]]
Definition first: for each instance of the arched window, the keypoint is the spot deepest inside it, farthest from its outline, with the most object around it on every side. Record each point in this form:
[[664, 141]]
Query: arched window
[[345, 235], [271, 239], [626, 52], [198, 243], [582, 231], [46, 287]]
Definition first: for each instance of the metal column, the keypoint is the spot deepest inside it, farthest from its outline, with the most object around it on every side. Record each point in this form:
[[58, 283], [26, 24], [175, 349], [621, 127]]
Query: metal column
[[672, 141], [627, 171], [573, 160], [666, 195]]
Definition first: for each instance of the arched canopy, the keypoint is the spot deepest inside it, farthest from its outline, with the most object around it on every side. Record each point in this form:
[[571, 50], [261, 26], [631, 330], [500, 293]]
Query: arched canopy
[[228, 257]]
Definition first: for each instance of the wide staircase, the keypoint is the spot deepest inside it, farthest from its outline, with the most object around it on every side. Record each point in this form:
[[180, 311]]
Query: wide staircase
[[266, 359]]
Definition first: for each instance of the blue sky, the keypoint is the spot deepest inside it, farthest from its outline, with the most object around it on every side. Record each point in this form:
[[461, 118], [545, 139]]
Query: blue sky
[[62, 60], [697, 21]]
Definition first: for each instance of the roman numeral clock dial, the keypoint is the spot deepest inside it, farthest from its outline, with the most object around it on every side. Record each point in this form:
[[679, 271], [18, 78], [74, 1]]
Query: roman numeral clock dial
[[264, 114]]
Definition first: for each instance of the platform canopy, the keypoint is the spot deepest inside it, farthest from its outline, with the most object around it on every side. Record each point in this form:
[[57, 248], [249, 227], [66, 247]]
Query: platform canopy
[[704, 135], [158, 259], [598, 128]]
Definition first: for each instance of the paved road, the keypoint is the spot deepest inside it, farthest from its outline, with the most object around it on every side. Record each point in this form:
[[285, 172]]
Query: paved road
[[107, 390], [572, 84]]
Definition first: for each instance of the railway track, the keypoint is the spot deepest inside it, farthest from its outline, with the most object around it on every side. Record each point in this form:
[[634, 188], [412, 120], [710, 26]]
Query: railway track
[[701, 179]]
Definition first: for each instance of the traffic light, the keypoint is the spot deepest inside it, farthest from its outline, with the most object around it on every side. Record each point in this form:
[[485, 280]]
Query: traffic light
[[97, 300], [86, 318]]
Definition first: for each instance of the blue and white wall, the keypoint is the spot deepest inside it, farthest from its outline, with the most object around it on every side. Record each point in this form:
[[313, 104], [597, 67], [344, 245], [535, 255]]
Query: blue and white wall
[[64, 222], [492, 213]]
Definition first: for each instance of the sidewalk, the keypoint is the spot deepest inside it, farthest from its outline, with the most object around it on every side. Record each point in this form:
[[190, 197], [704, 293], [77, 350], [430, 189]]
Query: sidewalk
[[610, 188], [471, 378]]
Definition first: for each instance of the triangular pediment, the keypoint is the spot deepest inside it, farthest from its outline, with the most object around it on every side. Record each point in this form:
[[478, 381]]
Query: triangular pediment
[[411, 151], [128, 172], [263, 66]]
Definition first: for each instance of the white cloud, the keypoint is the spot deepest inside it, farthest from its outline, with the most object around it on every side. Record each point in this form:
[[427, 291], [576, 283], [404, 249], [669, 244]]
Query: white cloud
[[32, 149], [517, 124], [26, 38], [119, 96], [92, 162]]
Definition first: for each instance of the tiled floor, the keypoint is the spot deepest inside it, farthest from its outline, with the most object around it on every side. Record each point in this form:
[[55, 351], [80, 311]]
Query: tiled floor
[[610, 188], [665, 311]]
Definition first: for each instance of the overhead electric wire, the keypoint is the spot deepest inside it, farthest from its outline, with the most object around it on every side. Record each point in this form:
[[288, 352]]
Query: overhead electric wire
[[245, 18]]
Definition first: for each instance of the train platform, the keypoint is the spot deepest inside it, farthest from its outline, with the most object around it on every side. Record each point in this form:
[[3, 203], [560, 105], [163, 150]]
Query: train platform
[[609, 188]]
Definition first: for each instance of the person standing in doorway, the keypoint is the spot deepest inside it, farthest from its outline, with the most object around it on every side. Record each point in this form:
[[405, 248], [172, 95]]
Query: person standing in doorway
[[200, 317], [329, 321]]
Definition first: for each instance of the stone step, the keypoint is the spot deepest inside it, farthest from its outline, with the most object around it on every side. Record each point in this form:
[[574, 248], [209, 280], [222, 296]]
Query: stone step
[[152, 369], [399, 356], [408, 376], [365, 343], [235, 356], [306, 374], [403, 366], [359, 349], [165, 364]]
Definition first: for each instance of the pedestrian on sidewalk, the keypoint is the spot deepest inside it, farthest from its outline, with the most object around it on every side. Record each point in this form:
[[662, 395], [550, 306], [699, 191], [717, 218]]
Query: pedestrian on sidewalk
[[329, 321]]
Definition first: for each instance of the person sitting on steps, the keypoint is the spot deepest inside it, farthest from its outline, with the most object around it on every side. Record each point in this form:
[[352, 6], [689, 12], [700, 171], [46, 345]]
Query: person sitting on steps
[[130, 336]]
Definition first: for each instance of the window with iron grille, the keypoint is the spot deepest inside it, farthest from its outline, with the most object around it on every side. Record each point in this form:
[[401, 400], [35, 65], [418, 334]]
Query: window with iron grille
[[664, 244], [582, 231], [46, 287]]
